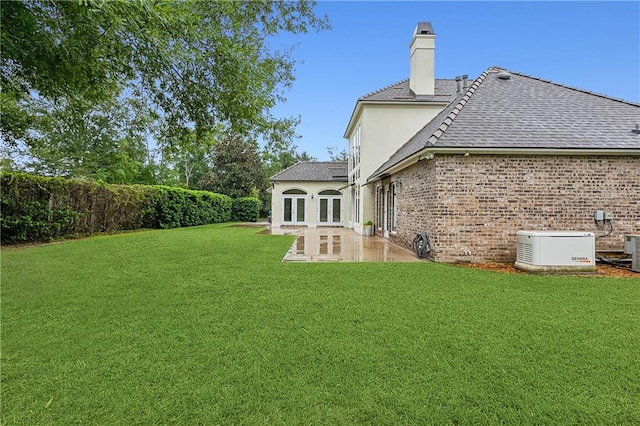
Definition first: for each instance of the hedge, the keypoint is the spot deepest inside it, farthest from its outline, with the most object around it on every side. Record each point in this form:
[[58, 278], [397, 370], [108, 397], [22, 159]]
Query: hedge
[[39, 209], [171, 207], [246, 209]]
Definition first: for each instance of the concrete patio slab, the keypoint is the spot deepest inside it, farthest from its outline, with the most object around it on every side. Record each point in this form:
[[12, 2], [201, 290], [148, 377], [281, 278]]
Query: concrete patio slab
[[341, 245]]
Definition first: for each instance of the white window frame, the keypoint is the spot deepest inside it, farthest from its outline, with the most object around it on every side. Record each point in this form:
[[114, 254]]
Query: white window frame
[[357, 205], [354, 154], [294, 208], [330, 211], [394, 208], [380, 207]]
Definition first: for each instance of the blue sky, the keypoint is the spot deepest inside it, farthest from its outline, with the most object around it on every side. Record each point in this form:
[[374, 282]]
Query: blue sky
[[594, 46]]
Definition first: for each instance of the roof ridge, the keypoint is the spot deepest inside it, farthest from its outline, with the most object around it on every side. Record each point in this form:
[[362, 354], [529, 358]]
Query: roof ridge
[[435, 136], [395, 84], [382, 89], [313, 171], [577, 89]]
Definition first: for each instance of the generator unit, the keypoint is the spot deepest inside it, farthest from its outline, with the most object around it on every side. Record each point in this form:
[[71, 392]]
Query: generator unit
[[629, 242], [556, 251], [632, 247]]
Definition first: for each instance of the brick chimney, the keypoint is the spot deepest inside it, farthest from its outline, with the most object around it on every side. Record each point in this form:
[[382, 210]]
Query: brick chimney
[[423, 47]]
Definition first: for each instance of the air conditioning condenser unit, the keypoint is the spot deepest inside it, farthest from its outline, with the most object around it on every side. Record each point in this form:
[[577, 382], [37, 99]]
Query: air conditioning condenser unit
[[556, 251]]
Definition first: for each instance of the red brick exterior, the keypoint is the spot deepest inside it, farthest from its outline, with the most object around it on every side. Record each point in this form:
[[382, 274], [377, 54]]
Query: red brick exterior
[[472, 206]]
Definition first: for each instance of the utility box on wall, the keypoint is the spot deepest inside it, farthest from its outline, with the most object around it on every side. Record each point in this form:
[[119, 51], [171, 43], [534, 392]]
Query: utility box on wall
[[556, 251]]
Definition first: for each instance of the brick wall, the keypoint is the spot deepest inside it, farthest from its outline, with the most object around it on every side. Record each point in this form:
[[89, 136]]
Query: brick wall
[[472, 206]]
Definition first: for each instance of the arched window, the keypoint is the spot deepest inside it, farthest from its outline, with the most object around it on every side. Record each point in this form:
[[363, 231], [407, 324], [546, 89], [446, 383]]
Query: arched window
[[294, 192], [330, 192]]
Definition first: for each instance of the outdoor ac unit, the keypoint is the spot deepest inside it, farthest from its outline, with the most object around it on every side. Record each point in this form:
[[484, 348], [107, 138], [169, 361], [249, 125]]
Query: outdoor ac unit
[[556, 251], [635, 253]]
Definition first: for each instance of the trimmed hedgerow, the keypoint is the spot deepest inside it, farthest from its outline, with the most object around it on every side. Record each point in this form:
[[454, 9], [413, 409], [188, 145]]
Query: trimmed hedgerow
[[171, 207], [245, 209], [38, 209]]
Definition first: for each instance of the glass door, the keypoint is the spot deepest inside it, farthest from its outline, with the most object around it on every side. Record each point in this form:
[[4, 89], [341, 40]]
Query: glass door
[[300, 210], [329, 208], [324, 211], [336, 210], [294, 207]]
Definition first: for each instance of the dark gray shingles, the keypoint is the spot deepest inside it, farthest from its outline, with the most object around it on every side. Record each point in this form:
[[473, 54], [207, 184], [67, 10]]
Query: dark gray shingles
[[319, 171], [525, 112], [528, 113], [445, 91]]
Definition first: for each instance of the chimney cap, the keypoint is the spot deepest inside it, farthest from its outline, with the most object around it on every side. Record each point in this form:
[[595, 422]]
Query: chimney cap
[[424, 28]]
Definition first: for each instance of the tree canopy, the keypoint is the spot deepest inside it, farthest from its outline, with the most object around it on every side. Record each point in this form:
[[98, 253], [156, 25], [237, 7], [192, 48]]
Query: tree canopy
[[196, 65], [337, 154], [236, 168]]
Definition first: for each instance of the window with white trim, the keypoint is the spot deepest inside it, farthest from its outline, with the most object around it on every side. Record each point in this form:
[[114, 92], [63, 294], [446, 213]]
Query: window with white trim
[[357, 205], [394, 207], [356, 147], [380, 205], [354, 153]]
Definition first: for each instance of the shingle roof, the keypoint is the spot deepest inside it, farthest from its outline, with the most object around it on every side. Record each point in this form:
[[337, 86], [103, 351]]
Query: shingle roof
[[319, 171], [528, 113], [445, 91]]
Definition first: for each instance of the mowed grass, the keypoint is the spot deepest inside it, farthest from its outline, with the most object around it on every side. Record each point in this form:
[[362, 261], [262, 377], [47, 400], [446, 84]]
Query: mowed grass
[[206, 325]]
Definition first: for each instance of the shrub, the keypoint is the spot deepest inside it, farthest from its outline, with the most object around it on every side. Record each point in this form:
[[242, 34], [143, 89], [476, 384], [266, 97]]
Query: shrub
[[37, 209], [246, 209], [170, 207]]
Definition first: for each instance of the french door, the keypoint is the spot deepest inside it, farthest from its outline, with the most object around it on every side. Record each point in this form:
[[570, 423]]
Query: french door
[[294, 209], [330, 210]]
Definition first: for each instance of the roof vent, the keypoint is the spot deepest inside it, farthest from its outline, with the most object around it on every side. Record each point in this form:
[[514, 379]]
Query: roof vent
[[504, 75], [636, 130]]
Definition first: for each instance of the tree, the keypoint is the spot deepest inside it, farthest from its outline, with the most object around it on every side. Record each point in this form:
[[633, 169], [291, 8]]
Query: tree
[[336, 154], [191, 167], [198, 64], [78, 139], [7, 165], [189, 152], [279, 155], [236, 168]]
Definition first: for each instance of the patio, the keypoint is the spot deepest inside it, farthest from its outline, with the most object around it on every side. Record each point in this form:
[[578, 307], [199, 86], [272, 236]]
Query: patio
[[341, 245]]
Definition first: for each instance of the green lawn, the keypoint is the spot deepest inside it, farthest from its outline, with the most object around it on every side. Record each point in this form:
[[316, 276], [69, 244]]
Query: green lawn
[[205, 325]]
